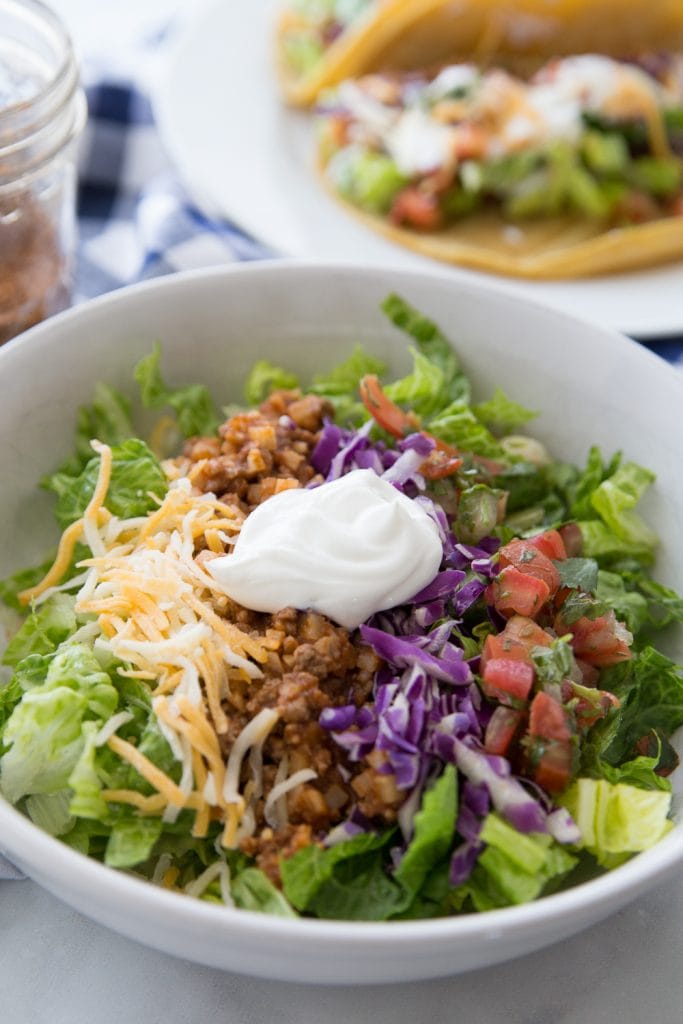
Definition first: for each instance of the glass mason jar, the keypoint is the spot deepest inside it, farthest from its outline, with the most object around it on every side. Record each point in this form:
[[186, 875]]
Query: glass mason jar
[[42, 113]]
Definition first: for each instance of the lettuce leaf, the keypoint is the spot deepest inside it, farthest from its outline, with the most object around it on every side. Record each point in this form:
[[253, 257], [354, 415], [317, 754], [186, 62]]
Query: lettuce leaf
[[136, 476], [87, 799], [108, 419], [614, 500], [514, 868], [628, 605], [253, 890], [13, 585], [581, 489], [344, 378], [424, 391], [264, 378], [192, 404], [340, 385], [501, 415], [650, 688], [50, 811], [431, 343], [617, 819], [43, 736], [43, 630], [607, 548], [131, 841], [434, 830], [639, 772], [347, 881], [457, 424]]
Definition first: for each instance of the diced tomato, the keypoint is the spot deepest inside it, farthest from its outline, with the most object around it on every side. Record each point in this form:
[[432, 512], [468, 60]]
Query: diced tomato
[[440, 463], [507, 679], [338, 129], [417, 209], [499, 645], [549, 726], [470, 141], [548, 719], [527, 558], [589, 673], [386, 413], [503, 727], [572, 538], [514, 592], [588, 712], [554, 768], [526, 632], [549, 544], [602, 641]]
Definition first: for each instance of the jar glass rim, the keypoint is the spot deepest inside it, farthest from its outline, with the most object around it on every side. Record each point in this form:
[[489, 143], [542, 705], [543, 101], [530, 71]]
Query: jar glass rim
[[65, 68]]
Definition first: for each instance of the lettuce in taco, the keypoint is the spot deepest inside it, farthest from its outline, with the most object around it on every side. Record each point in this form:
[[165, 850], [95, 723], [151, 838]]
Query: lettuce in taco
[[575, 171]]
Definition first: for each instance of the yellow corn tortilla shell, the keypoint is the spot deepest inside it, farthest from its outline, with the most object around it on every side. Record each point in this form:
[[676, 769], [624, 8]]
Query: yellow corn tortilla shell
[[551, 248], [361, 48], [400, 35]]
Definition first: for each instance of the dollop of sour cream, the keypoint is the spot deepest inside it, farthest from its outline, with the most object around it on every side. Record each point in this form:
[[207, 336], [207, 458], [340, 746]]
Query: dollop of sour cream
[[347, 549]]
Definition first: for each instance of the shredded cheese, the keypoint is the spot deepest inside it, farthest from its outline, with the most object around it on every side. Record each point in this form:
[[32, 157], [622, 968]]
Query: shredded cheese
[[152, 605], [271, 809], [148, 770]]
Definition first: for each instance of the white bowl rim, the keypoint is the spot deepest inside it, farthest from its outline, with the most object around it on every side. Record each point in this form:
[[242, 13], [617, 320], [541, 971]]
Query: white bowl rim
[[615, 887]]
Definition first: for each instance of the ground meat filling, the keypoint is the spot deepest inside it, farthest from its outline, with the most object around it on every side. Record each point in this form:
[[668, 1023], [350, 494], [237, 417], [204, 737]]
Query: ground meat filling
[[258, 453], [312, 663]]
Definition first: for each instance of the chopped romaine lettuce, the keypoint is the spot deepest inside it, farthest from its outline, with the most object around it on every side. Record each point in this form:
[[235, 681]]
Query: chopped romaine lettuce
[[192, 404], [617, 819], [137, 483]]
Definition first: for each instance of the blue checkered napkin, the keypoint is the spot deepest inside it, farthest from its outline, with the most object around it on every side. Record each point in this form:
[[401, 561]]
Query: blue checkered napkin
[[135, 219]]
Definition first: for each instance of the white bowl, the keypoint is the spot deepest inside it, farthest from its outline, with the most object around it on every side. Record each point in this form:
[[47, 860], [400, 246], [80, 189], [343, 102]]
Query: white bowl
[[592, 386]]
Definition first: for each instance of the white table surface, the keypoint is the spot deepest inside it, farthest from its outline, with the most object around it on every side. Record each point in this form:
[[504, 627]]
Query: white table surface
[[57, 967]]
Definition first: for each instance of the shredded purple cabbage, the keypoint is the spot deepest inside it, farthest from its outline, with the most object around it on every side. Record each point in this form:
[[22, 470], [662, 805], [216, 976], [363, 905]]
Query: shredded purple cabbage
[[426, 708]]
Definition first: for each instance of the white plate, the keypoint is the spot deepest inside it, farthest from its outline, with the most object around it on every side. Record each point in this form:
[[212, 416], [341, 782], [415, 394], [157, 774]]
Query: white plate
[[246, 157]]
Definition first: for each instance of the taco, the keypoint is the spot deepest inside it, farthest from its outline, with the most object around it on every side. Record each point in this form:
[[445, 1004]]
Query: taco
[[574, 172], [322, 42]]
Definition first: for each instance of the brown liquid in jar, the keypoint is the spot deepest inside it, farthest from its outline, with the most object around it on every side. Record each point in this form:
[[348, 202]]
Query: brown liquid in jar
[[32, 267]]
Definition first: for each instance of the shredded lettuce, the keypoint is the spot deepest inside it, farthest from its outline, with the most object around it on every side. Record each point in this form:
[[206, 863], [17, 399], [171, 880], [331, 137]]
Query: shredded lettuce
[[615, 498], [107, 418], [24, 579], [137, 482], [501, 415], [346, 881], [44, 733], [265, 378], [457, 424], [43, 630], [131, 841], [253, 890], [514, 868], [434, 831], [616, 820], [650, 688], [192, 404], [431, 343]]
